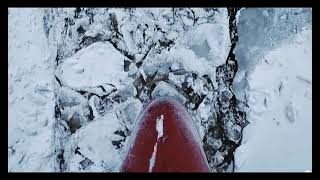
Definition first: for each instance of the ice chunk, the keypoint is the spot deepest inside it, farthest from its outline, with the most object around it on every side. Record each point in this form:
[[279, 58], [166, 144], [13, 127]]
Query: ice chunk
[[138, 57], [225, 95], [130, 110], [218, 158], [175, 66], [176, 79], [217, 143], [109, 70], [150, 69], [211, 41], [68, 97], [143, 74], [98, 146], [190, 62], [132, 69], [189, 80], [93, 102], [205, 110], [162, 72], [234, 132], [165, 89]]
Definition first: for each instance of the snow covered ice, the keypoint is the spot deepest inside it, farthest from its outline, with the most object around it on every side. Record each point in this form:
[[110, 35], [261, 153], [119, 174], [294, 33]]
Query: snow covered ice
[[279, 94], [79, 77]]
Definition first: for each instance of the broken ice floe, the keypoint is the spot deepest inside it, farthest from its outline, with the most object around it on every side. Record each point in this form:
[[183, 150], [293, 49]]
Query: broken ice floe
[[165, 89]]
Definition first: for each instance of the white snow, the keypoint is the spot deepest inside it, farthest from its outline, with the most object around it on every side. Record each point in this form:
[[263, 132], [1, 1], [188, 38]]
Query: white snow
[[30, 93], [279, 137], [95, 65], [159, 128]]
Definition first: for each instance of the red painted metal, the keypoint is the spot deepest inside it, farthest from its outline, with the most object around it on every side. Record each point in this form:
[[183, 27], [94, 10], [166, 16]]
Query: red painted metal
[[178, 150]]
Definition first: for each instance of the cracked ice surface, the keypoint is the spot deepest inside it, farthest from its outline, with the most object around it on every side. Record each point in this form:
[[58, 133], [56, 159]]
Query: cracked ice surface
[[78, 78], [278, 91], [284, 102]]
